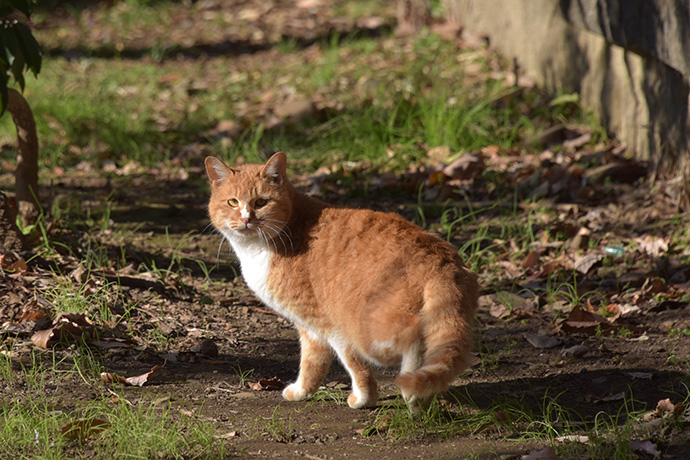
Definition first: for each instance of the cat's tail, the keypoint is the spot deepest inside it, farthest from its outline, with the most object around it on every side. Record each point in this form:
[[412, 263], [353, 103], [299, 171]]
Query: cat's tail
[[447, 321]]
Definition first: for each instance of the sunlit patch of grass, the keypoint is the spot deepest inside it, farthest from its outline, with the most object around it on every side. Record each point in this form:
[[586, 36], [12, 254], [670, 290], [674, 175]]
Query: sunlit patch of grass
[[96, 110], [104, 429], [33, 371], [31, 432], [325, 68], [91, 297], [109, 425], [140, 112], [409, 127]]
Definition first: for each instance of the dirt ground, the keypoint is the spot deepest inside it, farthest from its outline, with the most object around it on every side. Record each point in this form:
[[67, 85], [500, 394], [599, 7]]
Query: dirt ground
[[226, 355], [187, 309]]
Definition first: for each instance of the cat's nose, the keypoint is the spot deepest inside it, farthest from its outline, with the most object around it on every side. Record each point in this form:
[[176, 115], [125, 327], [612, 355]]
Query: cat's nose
[[245, 220]]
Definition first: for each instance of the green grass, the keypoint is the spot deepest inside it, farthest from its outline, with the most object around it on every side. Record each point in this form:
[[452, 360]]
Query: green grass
[[278, 426], [145, 430], [443, 418], [382, 103], [34, 427], [606, 435], [140, 112], [244, 376]]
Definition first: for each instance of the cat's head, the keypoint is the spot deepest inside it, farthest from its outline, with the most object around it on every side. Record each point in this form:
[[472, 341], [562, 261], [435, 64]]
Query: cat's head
[[251, 201]]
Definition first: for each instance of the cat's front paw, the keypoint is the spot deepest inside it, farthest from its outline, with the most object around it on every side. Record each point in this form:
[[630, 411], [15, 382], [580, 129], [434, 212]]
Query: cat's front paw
[[295, 392], [358, 400]]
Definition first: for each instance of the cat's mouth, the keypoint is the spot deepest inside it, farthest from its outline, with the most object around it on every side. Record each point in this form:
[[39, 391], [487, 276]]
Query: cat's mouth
[[246, 227]]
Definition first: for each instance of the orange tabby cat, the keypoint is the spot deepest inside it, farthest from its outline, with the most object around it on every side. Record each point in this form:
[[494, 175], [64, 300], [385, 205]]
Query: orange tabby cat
[[369, 287]]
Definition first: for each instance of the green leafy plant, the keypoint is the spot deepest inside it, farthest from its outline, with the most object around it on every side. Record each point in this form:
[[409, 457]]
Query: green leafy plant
[[19, 50], [244, 376]]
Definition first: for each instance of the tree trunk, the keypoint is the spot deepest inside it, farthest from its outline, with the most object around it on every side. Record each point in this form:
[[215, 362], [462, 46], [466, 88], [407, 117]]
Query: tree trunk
[[26, 175]]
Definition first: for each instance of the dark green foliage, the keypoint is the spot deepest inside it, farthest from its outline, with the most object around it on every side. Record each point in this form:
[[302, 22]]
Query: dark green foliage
[[19, 50]]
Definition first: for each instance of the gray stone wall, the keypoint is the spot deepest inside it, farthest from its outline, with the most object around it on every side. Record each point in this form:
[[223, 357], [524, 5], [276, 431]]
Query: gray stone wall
[[628, 59]]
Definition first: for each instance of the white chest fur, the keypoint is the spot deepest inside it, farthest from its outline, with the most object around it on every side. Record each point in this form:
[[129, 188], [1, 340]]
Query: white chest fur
[[255, 260]]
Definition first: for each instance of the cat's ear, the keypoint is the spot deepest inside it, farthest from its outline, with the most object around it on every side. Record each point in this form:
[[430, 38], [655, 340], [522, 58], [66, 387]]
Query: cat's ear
[[217, 171], [274, 171]]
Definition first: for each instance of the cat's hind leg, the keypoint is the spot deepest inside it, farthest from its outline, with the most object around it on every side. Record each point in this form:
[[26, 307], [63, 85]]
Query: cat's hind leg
[[411, 361], [316, 358], [364, 389]]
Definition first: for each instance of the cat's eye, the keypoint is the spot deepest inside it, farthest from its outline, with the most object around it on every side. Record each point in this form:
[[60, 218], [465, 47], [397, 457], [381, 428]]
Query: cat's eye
[[260, 203], [233, 202]]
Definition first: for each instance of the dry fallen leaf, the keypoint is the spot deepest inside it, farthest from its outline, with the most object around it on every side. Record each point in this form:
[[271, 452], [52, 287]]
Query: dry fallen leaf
[[532, 259], [141, 380], [499, 311], [647, 447], [666, 407], [19, 266], [622, 309], [654, 286], [137, 380], [573, 438], [32, 312], [576, 351], [45, 338], [467, 167], [652, 246], [272, 384], [585, 263], [584, 322], [108, 377], [65, 327]]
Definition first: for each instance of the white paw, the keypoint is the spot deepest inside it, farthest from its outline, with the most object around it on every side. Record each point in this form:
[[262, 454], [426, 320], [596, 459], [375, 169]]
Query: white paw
[[356, 402], [358, 399], [295, 392]]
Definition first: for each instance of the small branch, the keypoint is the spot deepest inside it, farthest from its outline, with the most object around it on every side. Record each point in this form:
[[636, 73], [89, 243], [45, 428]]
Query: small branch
[[26, 175]]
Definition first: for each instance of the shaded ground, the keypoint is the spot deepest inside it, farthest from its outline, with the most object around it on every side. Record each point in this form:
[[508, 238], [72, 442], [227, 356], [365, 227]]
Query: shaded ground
[[584, 268], [171, 314]]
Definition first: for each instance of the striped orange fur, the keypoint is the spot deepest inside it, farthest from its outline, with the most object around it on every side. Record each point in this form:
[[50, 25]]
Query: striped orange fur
[[368, 287]]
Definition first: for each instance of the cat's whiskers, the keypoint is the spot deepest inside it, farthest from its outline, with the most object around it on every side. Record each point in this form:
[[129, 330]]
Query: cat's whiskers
[[285, 228], [213, 230], [278, 231], [220, 247], [265, 237], [274, 220]]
